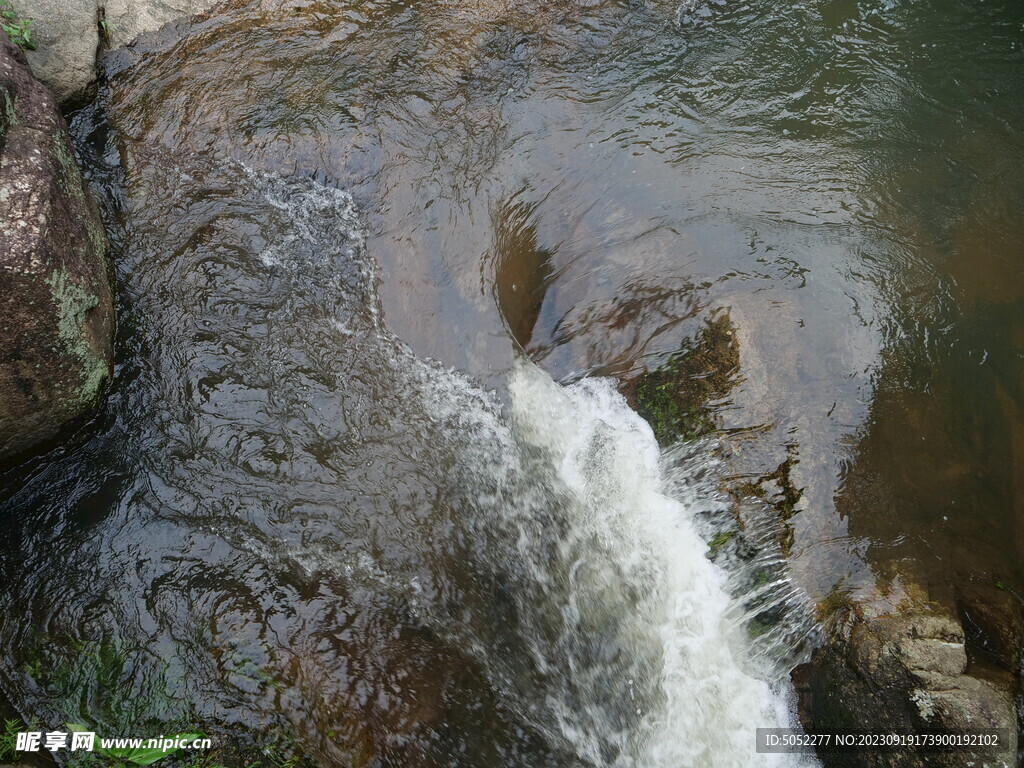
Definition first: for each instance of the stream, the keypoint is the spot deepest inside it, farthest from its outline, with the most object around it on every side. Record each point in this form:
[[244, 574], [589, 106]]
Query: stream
[[371, 487]]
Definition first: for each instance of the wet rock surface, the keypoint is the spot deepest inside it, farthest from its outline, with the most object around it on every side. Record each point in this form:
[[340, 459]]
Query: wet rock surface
[[677, 398], [609, 196], [58, 317], [907, 673]]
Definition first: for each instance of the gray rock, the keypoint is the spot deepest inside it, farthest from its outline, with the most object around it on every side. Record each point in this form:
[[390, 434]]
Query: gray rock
[[906, 673], [127, 19], [56, 309], [68, 34], [67, 39]]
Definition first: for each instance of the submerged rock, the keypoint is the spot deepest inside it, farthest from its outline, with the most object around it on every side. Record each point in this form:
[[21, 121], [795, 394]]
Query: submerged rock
[[675, 397], [57, 333]]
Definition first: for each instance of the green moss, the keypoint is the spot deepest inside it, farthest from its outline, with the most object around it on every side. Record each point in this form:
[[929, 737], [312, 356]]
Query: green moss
[[719, 541], [674, 398], [836, 603], [73, 305], [10, 111], [70, 177]]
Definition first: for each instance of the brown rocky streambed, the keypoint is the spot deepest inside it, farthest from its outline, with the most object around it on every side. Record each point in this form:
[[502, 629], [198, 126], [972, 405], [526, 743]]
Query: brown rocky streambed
[[337, 506]]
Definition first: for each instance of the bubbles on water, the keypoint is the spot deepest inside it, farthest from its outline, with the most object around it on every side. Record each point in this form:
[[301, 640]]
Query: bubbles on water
[[337, 492], [639, 581]]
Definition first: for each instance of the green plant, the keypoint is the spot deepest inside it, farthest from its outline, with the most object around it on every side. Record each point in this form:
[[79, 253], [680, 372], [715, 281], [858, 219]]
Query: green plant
[[106, 29], [8, 740], [719, 541], [17, 28]]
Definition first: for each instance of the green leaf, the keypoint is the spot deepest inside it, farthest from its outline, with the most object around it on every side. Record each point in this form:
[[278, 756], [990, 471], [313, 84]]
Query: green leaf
[[18, 29]]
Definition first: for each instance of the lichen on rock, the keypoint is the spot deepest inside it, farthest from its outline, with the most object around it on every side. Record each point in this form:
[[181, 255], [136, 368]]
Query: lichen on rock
[[73, 307], [56, 331]]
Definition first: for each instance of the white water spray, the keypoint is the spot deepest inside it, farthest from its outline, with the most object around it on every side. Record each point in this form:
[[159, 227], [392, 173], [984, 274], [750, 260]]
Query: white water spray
[[616, 642], [708, 706]]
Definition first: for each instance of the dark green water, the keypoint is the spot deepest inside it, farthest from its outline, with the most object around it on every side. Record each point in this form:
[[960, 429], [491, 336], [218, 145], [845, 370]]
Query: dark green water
[[587, 183]]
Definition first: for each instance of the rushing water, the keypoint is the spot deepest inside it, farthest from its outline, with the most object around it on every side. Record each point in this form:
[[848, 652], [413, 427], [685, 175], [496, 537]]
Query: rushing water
[[366, 489], [304, 493]]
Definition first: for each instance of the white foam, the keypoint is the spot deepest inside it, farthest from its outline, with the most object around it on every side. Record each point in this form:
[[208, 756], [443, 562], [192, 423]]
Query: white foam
[[622, 648], [608, 458]]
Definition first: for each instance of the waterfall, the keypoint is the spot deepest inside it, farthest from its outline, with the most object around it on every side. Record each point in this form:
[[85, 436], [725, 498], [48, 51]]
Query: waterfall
[[637, 569]]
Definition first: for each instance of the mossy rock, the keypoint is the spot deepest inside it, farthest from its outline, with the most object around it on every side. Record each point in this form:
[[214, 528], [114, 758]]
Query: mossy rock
[[674, 397]]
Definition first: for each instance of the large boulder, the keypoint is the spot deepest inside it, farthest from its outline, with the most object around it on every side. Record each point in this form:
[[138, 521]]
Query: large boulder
[[907, 673], [66, 35], [56, 332], [70, 33]]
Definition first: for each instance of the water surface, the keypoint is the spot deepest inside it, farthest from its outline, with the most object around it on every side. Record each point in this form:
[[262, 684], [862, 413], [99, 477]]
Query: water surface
[[338, 498]]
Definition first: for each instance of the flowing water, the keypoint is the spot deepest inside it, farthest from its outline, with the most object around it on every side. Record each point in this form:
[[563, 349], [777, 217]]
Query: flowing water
[[311, 523], [367, 489]]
